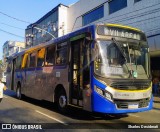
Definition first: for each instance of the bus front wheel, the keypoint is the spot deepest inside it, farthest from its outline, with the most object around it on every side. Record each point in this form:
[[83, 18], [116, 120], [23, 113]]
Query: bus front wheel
[[18, 92], [62, 101]]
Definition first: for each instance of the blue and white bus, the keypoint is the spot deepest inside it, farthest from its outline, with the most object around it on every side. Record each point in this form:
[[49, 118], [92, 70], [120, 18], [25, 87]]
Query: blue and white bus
[[100, 68]]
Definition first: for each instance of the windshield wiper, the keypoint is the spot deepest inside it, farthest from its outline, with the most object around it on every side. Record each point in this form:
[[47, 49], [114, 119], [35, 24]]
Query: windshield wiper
[[120, 49], [125, 57]]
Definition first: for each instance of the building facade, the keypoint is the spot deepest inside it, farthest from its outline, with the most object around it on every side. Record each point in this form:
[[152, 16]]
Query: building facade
[[11, 47], [143, 14], [50, 26]]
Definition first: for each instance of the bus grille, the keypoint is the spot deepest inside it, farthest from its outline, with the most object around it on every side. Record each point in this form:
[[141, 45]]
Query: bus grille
[[124, 104], [130, 85]]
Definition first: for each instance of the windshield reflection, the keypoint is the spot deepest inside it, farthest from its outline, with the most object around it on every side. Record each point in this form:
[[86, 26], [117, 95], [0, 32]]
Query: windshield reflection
[[121, 60]]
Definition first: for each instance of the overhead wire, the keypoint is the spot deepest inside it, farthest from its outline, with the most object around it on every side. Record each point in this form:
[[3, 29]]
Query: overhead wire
[[11, 33], [119, 20], [12, 26], [14, 18]]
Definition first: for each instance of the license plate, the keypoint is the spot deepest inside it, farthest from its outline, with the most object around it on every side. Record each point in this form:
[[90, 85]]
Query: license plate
[[132, 106]]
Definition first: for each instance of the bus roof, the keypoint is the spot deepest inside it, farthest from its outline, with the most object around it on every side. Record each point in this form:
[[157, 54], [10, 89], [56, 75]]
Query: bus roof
[[123, 26], [90, 28]]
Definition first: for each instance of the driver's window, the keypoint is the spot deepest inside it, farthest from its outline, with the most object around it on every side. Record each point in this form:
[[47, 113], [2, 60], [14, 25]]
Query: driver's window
[[98, 59], [113, 54]]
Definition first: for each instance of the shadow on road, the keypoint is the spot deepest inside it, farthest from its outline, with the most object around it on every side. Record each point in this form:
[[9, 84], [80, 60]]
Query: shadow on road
[[15, 115], [74, 113], [156, 108]]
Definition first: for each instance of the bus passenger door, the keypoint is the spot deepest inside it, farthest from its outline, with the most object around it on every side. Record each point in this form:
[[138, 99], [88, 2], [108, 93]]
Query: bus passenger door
[[75, 90], [13, 74], [78, 68]]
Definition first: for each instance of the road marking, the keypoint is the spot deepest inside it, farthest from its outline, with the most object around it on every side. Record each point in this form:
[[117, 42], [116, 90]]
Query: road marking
[[51, 117], [133, 115]]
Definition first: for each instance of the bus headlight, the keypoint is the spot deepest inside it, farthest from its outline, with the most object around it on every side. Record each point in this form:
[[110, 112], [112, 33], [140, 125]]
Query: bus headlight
[[100, 91], [108, 96], [103, 93]]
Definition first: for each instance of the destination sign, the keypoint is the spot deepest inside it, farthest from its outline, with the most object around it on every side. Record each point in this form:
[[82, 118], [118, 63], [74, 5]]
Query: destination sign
[[121, 32]]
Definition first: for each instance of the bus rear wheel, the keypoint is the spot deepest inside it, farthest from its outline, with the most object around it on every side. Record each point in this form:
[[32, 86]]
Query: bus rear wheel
[[18, 92], [62, 101]]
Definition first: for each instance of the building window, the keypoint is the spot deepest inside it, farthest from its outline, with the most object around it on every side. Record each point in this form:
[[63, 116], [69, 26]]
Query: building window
[[93, 15], [116, 5], [136, 1]]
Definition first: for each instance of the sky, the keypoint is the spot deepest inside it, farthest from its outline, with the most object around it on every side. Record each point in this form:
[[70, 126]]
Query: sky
[[26, 10]]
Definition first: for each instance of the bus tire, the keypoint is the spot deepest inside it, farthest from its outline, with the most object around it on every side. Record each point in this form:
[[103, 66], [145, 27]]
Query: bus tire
[[18, 92], [62, 101]]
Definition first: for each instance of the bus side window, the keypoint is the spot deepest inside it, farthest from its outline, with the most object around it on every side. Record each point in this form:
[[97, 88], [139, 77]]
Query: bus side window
[[32, 60], [9, 66], [50, 55], [41, 57], [24, 63], [14, 64], [18, 62], [61, 54]]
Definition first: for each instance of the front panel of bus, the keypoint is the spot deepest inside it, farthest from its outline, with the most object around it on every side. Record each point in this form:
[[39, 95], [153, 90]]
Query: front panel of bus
[[121, 80]]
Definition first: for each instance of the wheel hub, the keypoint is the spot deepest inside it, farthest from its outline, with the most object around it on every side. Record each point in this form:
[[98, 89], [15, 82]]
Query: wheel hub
[[18, 92], [62, 101]]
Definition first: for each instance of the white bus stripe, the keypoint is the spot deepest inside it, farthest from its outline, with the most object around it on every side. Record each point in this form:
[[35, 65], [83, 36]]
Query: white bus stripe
[[51, 117]]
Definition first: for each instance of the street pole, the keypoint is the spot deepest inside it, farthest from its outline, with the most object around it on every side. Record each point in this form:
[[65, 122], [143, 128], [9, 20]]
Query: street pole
[[45, 31]]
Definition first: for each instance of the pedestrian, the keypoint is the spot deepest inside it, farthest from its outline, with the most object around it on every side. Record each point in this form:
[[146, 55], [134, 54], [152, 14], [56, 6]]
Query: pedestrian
[[155, 85], [2, 87]]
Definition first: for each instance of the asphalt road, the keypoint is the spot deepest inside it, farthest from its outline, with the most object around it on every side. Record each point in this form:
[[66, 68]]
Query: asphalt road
[[32, 111]]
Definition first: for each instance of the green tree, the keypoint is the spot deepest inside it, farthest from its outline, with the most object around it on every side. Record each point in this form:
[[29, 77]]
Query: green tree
[[1, 63]]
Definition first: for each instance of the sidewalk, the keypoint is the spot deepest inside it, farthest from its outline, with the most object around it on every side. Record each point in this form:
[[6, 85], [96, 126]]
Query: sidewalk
[[156, 98], [156, 102]]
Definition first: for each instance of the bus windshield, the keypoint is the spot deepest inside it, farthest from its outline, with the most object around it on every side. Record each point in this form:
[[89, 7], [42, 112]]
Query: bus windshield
[[117, 59]]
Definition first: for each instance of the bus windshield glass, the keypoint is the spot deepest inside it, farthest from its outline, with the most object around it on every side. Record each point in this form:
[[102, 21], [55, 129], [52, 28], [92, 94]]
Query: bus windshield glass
[[115, 59]]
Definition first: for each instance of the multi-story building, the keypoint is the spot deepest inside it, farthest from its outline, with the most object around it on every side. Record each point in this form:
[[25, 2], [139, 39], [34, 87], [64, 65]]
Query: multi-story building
[[11, 47], [51, 25], [143, 14]]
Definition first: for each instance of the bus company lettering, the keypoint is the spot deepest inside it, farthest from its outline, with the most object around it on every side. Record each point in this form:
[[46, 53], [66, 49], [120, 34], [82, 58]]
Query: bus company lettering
[[20, 126], [124, 94], [120, 33]]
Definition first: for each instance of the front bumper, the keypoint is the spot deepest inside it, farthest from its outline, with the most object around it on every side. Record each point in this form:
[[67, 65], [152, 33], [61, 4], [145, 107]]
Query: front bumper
[[105, 106]]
